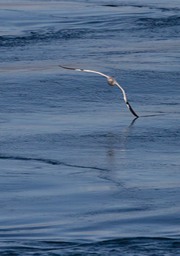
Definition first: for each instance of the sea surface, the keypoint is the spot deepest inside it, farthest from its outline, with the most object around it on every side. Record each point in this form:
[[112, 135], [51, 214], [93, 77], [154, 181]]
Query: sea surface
[[78, 174]]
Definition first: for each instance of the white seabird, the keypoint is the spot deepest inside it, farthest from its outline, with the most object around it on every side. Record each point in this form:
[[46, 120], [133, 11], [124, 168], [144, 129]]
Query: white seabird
[[111, 81]]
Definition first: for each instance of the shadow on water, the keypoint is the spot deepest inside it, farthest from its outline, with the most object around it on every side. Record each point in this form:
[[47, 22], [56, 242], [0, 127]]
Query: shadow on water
[[152, 115]]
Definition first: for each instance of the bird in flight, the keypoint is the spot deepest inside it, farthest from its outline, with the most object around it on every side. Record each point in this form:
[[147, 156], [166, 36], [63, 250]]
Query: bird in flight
[[111, 81]]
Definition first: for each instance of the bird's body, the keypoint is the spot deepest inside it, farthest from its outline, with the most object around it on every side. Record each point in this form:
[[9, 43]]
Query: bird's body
[[111, 81]]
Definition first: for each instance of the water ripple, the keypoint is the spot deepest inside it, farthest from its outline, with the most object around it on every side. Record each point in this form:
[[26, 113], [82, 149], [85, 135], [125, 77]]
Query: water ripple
[[120, 246], [50, 161], [34, 37]]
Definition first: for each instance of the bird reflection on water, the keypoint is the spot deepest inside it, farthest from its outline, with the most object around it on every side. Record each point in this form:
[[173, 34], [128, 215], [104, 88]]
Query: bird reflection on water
[[116, 144]]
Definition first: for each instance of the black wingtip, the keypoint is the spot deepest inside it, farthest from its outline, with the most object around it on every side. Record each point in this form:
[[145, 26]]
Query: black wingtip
[[66, 67], [132, 110]]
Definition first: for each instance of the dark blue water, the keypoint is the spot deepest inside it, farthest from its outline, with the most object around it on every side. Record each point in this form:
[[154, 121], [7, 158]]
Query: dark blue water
[[79, 176]]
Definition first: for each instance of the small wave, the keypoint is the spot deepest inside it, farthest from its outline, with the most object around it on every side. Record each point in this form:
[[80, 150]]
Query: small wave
[[125, 5], [38, 37], [110, 5], [49, 161], [160, 22], [149, 6]]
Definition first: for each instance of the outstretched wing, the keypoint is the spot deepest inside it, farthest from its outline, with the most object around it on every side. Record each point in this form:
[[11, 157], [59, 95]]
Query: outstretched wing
[[77, 69], [85, 70]]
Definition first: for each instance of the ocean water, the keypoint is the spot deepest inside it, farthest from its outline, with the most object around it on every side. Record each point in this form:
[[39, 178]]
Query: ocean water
[[78, 174]]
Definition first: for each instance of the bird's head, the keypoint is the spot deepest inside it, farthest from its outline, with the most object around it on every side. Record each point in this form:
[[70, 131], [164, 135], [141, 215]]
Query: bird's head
[[111, 81]]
